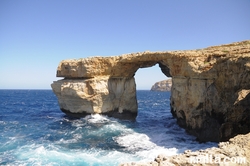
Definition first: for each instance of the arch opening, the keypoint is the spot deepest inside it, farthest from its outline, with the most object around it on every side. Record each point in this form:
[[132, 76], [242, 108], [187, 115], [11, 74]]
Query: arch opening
[[153, 106], [146, 77]]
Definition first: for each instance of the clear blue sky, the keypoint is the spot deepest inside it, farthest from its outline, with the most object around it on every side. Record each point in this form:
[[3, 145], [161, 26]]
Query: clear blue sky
[[35, 35]]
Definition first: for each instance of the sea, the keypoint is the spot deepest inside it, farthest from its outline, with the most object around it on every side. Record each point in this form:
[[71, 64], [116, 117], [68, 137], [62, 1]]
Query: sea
[[34, 132]]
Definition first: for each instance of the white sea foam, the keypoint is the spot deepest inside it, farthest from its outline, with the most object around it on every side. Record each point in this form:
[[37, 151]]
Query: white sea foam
[[97, 118], [49, 138], [51, 155], [135, 141], [2, 122], [142, 146], [137, 146]]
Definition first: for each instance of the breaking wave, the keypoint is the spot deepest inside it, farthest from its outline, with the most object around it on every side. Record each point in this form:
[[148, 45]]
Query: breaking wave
[[35, 132]]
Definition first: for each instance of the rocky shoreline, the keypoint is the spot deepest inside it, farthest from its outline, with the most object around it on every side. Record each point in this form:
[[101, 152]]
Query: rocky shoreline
[[234, 152], [210, 94]]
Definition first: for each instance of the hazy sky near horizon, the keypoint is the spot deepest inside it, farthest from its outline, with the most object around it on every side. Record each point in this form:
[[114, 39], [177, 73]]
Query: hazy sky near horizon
[[36, 35]]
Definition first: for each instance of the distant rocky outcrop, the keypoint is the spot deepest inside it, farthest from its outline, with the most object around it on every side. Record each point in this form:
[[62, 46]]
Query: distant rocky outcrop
[[164, 85], [210, 95], [234, 152]]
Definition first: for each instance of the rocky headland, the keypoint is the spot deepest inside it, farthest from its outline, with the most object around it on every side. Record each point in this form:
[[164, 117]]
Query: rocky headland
[[164, 85], [210, 95]]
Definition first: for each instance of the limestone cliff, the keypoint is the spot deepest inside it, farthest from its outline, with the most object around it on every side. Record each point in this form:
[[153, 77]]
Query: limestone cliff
[[210, 95], [111, 96], [164, 85]]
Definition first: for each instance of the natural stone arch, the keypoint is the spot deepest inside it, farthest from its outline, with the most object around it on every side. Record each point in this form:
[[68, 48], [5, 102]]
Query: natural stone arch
[[210, 87], [113, 94], [151, 78]]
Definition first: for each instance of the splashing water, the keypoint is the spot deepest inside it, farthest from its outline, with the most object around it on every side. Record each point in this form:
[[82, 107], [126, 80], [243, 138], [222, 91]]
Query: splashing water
[[35, 132]]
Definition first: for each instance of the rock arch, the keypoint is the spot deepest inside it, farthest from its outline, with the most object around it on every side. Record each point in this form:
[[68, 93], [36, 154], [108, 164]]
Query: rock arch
[[209, 97], [101, 84]]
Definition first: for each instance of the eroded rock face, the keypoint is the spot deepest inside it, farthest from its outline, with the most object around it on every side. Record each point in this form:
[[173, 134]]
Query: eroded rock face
[[111, 96], [210, 94]]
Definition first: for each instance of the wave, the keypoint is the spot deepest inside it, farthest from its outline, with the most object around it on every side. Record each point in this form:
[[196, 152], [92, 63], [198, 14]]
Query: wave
[[37, 133]]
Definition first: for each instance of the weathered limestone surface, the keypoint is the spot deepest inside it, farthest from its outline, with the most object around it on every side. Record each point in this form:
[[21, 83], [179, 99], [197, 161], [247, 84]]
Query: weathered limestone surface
[[164, 85], [111, 96], [210, 94], [234, 152]]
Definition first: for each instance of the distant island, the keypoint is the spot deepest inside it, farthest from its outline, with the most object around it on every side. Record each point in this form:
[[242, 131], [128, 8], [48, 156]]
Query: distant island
[[164, 85]]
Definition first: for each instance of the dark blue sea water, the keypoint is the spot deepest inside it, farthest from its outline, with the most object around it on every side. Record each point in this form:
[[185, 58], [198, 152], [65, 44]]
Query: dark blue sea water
[[35, 132]]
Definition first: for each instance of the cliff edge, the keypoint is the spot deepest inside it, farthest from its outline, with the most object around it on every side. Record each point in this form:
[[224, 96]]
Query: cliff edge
[[210, 95]]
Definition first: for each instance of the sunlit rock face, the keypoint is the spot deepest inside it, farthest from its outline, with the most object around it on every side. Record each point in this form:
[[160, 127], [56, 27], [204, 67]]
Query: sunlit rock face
[[210, 95], [164, 85], [111, 96]]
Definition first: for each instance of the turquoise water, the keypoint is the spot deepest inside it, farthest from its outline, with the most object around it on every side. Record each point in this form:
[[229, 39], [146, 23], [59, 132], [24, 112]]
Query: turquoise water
[[35, 132]]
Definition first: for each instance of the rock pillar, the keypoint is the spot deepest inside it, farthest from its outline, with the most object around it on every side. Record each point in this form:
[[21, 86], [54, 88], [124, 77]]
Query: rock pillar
[[112, 96]]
